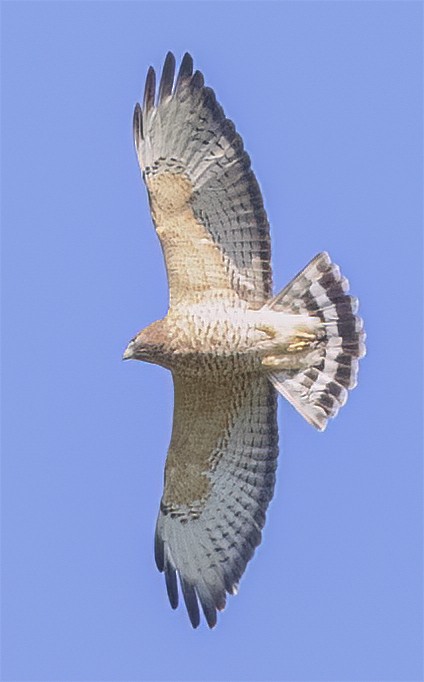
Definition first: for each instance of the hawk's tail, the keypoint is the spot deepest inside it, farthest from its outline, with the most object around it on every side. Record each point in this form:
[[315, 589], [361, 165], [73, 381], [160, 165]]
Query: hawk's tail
[[317, 387]]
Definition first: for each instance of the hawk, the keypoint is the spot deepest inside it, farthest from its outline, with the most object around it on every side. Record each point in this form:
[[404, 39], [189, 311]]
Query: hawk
[[230, 344]]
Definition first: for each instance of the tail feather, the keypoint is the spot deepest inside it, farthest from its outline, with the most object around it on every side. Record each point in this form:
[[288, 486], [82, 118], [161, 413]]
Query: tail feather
[[319, 388]]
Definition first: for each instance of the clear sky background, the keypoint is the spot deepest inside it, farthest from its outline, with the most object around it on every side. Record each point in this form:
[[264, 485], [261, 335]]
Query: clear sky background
[[327, 96]]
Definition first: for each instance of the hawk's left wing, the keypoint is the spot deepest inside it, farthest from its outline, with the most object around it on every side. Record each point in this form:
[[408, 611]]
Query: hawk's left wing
[[219, 479], [205, 201]]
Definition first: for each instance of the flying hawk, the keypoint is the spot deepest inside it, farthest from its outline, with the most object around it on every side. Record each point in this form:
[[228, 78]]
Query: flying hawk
[[230, 344]]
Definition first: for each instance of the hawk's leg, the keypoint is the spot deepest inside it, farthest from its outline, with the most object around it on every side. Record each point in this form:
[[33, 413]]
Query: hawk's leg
[[287, 347]]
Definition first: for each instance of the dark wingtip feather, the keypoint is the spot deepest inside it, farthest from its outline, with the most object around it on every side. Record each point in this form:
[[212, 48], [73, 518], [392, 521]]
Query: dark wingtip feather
[[137, 125], [167, 78], [210, 615], [159, 552], [185, 71], [190, 599], [149, 90], [197, 80], [171, 585], [208, 608]]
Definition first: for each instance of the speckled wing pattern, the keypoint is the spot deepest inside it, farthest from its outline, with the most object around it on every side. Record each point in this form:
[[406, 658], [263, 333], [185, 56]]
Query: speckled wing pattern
[[215, 497], [205, 200]]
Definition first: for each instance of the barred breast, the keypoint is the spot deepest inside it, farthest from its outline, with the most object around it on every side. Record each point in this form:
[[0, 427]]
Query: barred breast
[[212, 334]]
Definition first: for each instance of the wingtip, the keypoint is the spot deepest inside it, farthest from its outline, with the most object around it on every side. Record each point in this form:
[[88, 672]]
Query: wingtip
[[185, 71], [159, 549], [211, 617], [190, 599], [167, 77], [149, 90], [171, 586], [187, 63], [197, 80], [166, 84], [137, 124]]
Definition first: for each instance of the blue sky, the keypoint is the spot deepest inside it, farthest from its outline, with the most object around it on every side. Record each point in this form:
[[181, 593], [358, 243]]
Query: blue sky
[[327, 96]]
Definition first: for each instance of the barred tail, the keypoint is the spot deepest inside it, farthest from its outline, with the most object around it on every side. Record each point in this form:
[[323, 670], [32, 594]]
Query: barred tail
[[319, 387]]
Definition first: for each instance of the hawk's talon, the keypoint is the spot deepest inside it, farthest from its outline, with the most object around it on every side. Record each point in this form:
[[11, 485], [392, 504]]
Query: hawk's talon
[[268, 329]]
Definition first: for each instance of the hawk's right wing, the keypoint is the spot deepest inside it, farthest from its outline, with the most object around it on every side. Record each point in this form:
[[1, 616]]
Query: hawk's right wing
[[219, 479]]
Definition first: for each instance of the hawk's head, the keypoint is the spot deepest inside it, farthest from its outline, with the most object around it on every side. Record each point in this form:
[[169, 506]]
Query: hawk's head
[[148, 345]]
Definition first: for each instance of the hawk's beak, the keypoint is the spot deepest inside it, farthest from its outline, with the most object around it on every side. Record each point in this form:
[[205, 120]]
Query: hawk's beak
[[128, 353]]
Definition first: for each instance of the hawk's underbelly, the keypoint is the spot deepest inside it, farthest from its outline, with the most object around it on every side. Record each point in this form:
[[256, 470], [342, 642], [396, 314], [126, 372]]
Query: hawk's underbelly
[[232, 336]]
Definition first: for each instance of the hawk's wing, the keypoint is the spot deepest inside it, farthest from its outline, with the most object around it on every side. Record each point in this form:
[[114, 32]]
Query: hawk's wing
[[219, 479], [205, 201]]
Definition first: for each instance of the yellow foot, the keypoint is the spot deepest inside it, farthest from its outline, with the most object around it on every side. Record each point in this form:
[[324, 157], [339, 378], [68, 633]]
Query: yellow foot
[[272, 361], [280, 362], [300, 342], [297, 346], [267, 329]]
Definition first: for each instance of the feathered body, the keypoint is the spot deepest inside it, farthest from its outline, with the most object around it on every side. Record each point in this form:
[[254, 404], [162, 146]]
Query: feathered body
[[229, 344]]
